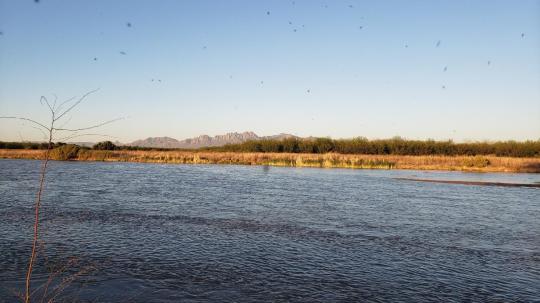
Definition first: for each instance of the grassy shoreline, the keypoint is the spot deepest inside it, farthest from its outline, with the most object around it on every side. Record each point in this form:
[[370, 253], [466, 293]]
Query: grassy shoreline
[[330, 160]]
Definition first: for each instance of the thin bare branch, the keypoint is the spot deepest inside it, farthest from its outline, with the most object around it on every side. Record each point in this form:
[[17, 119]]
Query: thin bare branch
[[48, 105], [87, 128], [42, 132], [75, 104], [54, 104], [54, 273], [83, 135], [67, 281], [66, 122], [64, 103], [26, 119]]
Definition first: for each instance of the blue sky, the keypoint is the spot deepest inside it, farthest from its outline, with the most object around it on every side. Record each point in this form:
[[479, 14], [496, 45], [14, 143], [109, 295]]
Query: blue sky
[[373, 69]]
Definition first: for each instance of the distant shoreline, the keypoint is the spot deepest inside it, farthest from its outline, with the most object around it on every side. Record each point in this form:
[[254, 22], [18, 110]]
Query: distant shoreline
[[330, 160]]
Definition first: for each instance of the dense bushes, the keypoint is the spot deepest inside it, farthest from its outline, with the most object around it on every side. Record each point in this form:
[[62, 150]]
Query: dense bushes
[[98, 146], [395, 146], [27, 145], [105, 145], [65, 152]]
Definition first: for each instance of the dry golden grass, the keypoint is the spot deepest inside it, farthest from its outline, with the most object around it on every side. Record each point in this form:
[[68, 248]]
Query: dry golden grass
[[331, 160], [22, 154]]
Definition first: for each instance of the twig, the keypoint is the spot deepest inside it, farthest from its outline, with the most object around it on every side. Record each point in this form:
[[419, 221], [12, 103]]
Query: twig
[[83, 135], [26, 119], [57, 109], [75, 104], [67, 281], [66, 122], [48, 105], [42, 132], [87, 128]]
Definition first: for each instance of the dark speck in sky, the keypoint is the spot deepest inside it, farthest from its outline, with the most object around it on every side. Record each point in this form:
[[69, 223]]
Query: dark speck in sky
[[406, 45], [350, 6], [308, 91], [95, 59], [268, 12], [128, 24], [123, 53], [489, 62], [522, 35], [295, 30], [438, 43], [445, 68], [443, 87], [360, 27]]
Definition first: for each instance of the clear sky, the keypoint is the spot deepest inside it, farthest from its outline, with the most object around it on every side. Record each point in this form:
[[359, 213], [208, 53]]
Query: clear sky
[[320, 68]]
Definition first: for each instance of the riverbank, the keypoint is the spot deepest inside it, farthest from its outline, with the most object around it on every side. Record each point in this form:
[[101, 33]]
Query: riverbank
[[331, 160]]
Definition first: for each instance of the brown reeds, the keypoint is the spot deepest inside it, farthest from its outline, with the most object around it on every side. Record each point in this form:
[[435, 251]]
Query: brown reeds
[[330, 160]]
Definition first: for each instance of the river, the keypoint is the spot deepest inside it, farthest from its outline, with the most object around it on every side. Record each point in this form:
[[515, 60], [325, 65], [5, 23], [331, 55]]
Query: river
[[195, 233]]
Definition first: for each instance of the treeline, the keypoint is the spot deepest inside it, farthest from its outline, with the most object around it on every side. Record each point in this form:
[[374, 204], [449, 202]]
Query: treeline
[[105, 145], [27, 145], [395, 146]]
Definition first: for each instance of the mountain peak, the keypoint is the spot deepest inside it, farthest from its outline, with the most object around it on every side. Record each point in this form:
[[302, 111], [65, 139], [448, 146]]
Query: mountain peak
[[205, 140], [161, 142]]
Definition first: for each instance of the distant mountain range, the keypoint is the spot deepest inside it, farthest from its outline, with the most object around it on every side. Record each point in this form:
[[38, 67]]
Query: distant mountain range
[[204, 140]]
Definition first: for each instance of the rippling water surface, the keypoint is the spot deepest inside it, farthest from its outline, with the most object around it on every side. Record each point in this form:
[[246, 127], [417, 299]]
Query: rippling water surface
[[169, 233]]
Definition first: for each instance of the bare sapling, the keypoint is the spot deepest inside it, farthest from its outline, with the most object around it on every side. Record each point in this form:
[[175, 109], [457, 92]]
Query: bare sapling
[[52, 132]]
